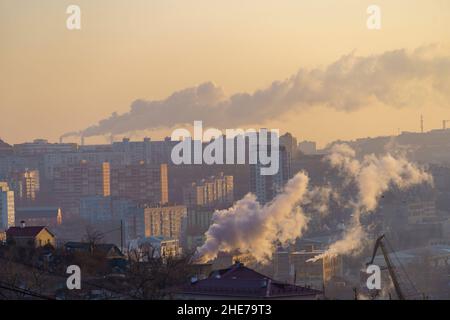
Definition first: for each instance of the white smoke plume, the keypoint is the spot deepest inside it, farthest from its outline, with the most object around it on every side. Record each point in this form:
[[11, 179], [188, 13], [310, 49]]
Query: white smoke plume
[[373, 176], [255, 229], [399, 78], [248, 227]]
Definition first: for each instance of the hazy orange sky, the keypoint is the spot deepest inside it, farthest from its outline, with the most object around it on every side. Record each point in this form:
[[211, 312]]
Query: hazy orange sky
[[53, 80]]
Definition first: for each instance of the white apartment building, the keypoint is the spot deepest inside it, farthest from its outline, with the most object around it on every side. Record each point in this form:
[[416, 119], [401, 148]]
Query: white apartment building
[[7, 211]]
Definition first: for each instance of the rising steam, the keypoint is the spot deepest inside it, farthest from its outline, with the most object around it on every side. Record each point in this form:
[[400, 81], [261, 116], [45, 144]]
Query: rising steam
[[396, 78], [252, 228], [372, 176], [248, 227]]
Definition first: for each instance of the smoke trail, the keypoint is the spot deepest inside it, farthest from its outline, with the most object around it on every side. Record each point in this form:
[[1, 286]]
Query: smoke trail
[[252, 228], [396, 78], [372, 176]]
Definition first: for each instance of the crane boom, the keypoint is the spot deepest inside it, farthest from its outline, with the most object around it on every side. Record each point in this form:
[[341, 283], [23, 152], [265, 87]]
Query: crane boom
[[379, 244]]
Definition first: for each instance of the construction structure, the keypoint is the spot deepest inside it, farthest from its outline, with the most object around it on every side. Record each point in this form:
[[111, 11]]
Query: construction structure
[[403, 286]]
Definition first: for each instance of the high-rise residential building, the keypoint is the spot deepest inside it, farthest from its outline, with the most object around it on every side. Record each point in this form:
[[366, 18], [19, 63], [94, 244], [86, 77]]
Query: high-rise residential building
[[199, 219], [91, 154], [151, 152], [25, 184], [100, 209], [143, 183], [42, 146], [289, 142], [7, 209], [215, 191], [307, 147], [73, 182], [5, 149], [167, 221], [266, 187]]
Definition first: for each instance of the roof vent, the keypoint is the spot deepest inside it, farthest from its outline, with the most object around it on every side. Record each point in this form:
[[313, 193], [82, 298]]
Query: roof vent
[[22, 224]]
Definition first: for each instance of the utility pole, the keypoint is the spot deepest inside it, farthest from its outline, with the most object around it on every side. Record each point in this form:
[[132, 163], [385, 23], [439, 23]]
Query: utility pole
[[121, 235]]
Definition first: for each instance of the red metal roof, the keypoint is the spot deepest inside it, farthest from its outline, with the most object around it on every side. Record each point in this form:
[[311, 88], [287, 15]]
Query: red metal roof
[[24, 231], [240, 281]]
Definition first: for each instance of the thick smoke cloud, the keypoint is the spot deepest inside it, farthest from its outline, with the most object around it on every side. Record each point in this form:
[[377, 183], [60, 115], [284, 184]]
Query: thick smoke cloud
[[372, 176], [396, 78], [252, 228], [248, 227]]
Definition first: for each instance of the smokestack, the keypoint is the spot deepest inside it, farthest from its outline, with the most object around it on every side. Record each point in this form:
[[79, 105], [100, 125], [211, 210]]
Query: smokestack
[[82, 140], [421, 123], [61, 139]]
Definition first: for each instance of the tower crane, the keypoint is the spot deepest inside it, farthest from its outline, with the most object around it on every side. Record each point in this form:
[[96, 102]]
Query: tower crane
[[394, 274]]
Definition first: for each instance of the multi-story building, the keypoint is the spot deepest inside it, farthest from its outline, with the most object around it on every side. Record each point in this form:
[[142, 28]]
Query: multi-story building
[[289, 142], [266, 187], [167, 221], [41, 146], [5, 149], [94, 155], [298, 267], [210, 192], [7, 209], [199, 220], [141, 182], [73, 182], [101, 209], [307, 147], [25, 184], [421, 211], [333, 267], [151, 152], [183, 175], [281, 266]]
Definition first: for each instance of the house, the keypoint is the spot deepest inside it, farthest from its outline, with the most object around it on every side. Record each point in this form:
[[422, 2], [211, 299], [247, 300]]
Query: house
[[240, 282], [37, 236], [116, 259], [109, 250]]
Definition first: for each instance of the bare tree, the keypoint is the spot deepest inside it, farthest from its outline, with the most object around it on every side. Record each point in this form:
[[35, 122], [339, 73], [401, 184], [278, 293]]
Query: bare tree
[[93, 237]]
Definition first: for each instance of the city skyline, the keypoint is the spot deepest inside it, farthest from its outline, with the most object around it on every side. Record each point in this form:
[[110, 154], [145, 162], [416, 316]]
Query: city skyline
[[224, 150], [70, 80]]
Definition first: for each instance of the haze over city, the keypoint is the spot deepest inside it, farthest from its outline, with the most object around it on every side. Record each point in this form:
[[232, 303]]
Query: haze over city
[[151, 49], [224, 150]]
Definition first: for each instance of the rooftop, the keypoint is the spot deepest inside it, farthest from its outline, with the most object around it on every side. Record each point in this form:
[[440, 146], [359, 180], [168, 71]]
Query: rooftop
[[240, 281], [24, 231]]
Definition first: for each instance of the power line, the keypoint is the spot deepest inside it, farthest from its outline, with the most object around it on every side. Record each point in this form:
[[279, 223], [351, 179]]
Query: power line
[[83, 281], [27, 292]]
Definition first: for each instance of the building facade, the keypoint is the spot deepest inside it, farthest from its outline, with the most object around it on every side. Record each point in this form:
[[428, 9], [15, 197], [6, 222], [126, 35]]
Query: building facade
[[142, 183], [25, 184], [166, 221], [7, 208], [211, 192], [76, 181]]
